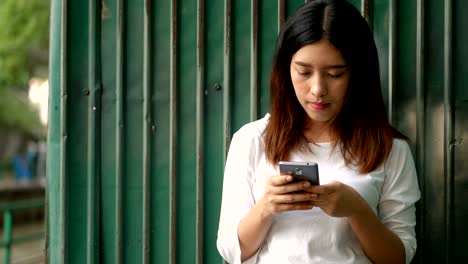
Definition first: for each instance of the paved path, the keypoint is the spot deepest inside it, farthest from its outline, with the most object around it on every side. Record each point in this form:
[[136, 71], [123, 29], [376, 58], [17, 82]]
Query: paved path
[[27, 252]]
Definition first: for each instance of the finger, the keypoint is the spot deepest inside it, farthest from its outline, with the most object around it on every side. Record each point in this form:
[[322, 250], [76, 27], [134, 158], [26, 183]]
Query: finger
[[279, 180], [320, 203], [321, 189], [291, 187], [292, 198], [293, 206]]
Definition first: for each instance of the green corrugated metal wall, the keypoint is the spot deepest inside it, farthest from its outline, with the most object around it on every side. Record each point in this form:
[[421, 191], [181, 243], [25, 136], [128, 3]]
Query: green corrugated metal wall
[[145, 96]]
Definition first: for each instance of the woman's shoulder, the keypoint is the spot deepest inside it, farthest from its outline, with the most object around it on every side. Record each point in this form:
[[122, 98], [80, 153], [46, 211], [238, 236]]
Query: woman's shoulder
[[253, 130], [400, 145], [400, 153]]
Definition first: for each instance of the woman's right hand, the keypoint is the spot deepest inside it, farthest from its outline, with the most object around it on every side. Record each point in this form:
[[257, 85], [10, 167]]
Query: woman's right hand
[[281, 194]]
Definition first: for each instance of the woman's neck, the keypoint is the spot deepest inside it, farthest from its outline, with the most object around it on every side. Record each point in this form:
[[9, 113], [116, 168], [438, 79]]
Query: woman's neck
[[318, 133]]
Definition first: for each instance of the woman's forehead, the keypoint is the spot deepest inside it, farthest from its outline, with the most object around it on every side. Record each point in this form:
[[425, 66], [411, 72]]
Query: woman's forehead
[[319, 54]]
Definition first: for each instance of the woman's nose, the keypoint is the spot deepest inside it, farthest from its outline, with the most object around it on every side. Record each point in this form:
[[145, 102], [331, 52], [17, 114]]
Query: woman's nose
[[318, 86]]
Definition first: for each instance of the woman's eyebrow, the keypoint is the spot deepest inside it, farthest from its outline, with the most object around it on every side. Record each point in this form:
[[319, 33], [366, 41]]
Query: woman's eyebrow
[[305, 64]]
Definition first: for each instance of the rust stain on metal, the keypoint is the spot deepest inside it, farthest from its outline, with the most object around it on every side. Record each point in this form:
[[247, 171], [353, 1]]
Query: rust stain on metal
[[255, 23], [281, 12], [200, 40], [228, 25], [148, 6], [365, 10], [456, 141], [174, 26], [105, 13]]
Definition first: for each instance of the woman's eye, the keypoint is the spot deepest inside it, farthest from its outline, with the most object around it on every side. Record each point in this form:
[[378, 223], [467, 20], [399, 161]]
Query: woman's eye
[[303, 73], [335, 75]]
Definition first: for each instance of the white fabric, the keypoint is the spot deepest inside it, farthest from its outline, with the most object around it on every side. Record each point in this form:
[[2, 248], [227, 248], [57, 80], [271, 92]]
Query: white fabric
[[312, 236]]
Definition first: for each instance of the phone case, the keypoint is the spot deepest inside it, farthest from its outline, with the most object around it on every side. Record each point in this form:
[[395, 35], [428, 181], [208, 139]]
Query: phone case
[[301, 171]]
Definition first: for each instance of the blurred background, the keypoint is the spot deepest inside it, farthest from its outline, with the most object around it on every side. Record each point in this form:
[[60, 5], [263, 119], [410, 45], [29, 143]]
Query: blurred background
[[24, 93]]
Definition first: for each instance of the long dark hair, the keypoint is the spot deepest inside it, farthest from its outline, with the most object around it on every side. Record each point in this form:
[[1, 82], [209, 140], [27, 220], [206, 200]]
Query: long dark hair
[[361, 129]]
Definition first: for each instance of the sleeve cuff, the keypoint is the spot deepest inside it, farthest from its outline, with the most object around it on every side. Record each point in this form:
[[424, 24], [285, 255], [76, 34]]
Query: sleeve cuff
[[229, 248]]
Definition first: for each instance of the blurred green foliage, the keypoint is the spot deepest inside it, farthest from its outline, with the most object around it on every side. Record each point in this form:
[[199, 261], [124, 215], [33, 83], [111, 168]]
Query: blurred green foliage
[[17, 113], [24, 42]]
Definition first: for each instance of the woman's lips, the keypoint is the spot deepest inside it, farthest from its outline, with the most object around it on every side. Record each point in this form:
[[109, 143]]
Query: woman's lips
[[319, 106]]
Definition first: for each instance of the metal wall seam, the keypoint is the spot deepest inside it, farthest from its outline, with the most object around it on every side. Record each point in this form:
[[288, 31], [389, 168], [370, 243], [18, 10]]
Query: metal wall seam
[[146, 131], [367, 11], [448, 129], [93, 145], [420, 114], [119, 132], [63, 130], [199, 128], [391, 56], [254, 61], [281, 14], [227, 78], [173, 132], [364, 8]]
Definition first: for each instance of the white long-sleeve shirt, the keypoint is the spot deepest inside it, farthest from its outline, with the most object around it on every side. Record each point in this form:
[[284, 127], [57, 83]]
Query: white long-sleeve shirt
[[312, 236]]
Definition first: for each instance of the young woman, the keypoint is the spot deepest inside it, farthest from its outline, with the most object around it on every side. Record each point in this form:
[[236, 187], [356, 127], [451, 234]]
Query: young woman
[[326, 107]]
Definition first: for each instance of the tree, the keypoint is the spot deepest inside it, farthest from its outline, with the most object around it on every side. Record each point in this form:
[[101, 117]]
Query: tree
[[24, 42]]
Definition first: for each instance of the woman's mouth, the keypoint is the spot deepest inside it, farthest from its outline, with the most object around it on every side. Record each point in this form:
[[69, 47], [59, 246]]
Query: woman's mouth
[[319, 106]]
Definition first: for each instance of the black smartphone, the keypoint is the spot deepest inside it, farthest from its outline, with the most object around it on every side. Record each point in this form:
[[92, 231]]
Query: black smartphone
[[301, 171]]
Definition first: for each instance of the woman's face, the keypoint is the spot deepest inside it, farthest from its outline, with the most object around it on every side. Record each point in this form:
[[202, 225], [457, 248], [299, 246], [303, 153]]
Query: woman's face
[[320, 78]]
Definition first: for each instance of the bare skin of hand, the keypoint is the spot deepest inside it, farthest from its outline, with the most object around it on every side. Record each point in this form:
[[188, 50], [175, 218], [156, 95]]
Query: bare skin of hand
[[282, 195], [340, 200], [337, 199]]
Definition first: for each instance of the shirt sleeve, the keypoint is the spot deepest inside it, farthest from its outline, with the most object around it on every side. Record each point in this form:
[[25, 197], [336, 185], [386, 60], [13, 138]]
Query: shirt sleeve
[[237, 198], [400, 192]]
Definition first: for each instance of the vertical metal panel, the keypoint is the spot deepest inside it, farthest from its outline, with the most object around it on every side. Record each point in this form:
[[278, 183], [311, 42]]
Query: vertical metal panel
[[159, 148], [448, 129], [119, 123], [381, 30], [459, 143], [267, 36], [292, 6], [391, 56], [147, 49], [214, 132], [93, 140], [227, 77], [254, 61], [56, 204], [173, 130], [132, 180], [63, 130], [281, 14], [110, 223], [186, 135], [160, 207], [367, 11], [78, 132], [421, 117], [241, 53], [199, 128]]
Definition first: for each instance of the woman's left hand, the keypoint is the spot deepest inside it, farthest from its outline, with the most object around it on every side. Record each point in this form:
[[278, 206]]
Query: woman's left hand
[[338, 199]]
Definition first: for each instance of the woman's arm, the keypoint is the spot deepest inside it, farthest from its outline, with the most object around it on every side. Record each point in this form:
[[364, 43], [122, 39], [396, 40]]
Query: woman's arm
[[379, 243], [252, 230], [278, 197], [244, 222], [388, 237]]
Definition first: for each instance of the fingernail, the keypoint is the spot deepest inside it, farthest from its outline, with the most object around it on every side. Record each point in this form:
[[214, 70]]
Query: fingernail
[[306, 184]]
